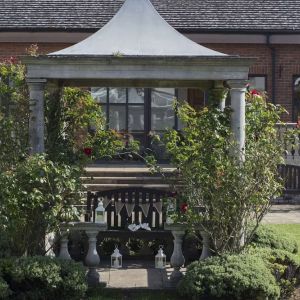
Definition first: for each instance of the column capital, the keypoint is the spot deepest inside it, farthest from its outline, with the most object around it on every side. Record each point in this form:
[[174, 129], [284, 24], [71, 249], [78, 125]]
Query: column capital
[[36, 82], [237, 84]]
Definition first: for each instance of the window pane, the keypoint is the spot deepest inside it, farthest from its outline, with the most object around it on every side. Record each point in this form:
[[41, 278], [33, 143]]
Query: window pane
[[162, 113], [117, 116], [136, 95], [136, 117], [99, 94], [257, 82], [117, 95]]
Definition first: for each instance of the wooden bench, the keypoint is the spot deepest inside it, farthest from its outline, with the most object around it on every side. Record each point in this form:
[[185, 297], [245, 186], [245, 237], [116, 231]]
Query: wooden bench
[[117, 224], [128, 199]]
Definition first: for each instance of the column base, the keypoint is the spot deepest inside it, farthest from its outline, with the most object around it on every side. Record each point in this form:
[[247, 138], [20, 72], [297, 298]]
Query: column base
[[93, 277]]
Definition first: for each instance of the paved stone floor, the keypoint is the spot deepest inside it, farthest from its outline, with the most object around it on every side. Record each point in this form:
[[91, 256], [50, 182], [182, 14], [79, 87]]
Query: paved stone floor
[[144, 275], [137, 275], [283, 214]]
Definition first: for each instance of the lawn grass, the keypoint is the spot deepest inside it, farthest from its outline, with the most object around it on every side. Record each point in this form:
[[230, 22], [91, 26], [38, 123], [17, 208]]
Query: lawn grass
[[117, 294], [292, 230]]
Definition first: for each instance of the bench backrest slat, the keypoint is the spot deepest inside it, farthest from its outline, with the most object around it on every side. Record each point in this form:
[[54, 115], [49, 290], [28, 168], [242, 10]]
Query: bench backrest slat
[[138, 197]]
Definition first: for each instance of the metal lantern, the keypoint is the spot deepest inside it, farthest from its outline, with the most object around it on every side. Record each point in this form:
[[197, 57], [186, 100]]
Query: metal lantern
[[160, 259], [100, 213], [116, 259]]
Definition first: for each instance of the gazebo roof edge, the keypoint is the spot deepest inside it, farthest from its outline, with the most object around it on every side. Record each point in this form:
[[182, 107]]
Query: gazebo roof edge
[[86, 59]]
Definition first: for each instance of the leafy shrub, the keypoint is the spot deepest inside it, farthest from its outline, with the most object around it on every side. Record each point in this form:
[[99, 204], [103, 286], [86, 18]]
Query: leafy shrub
[[241, 276], [284, 266], [40, 277], [34, 198], [268, 238], [4, 289]]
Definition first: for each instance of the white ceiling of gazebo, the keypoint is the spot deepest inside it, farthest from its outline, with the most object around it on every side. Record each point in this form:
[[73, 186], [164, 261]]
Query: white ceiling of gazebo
[[137, 30]]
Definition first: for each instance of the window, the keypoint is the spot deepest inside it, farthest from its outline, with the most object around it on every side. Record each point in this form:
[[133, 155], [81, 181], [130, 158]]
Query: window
[[258, 82], [139, 111]]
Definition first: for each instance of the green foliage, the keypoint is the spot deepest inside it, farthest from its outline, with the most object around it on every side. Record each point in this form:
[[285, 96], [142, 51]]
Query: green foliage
[[75, 121], [37, 192], [4, 289], [35, 197], [44, 278], [284, 266], [14, 113], [223, 193], [229, 277], [268, 238]]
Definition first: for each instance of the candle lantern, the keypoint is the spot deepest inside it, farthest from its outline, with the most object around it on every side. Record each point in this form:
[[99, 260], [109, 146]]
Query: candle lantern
[[160, 259], [116, 259], [100, 213]]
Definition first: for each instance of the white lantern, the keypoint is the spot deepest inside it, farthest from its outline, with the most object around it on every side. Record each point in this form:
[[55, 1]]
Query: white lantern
[[116, 259], [160, 259], [100, 213]]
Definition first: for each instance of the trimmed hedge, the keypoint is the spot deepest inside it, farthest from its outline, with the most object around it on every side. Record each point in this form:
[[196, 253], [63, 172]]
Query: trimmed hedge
[[4, 289], [41, 277], [284, 266], [268, 238], [241, 276]]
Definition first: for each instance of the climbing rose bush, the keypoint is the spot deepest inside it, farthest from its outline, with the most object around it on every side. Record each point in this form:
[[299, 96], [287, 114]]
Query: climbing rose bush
[[223, 195]]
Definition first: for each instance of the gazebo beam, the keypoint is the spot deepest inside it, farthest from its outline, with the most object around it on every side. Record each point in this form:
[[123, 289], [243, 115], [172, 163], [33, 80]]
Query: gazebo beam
[[36, 121], [138, 83]]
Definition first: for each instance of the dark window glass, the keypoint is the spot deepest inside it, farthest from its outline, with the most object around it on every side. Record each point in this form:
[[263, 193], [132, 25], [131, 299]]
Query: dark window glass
[[257, 83]]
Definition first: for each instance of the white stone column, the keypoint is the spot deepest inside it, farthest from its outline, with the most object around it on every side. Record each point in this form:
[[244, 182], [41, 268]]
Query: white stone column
[[177, 259], [36, 120], [64, 252], [206, 252], [218, 94], [92, 259], [238, 123]]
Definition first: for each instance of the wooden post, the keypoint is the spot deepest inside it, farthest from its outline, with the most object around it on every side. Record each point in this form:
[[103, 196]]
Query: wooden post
[[36, 120]]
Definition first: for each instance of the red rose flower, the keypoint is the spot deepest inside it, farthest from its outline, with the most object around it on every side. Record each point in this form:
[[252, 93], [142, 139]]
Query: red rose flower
[[255, 93], [87, 151], [183, 207]]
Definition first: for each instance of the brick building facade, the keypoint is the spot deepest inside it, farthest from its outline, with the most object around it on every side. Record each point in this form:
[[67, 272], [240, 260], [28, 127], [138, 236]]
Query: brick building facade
[[269, 32]]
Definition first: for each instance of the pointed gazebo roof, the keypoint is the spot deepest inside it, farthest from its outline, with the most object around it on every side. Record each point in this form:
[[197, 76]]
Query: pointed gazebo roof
[[137, 30], [137, 47]]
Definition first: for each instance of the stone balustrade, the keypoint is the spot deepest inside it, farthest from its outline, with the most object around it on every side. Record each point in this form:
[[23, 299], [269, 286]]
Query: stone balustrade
[[92, 258]]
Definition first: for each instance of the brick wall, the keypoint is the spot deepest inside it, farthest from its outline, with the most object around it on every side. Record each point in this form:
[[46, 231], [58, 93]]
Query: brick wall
[[287, 66], [287, 63]]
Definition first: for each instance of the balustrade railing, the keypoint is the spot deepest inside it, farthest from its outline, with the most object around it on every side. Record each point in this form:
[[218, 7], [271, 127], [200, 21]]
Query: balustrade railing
[[291, 143]]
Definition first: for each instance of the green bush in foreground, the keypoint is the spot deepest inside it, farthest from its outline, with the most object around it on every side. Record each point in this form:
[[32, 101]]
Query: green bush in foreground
[[269, 238], [241, 276], [43, 278], [4, 289], [284, 266]]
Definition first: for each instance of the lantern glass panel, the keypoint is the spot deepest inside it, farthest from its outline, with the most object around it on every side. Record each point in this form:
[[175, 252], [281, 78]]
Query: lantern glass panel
[[160, 259]]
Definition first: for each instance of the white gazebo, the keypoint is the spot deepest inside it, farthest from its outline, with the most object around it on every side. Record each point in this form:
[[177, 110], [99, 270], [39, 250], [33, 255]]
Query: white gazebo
[[136, 48]]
